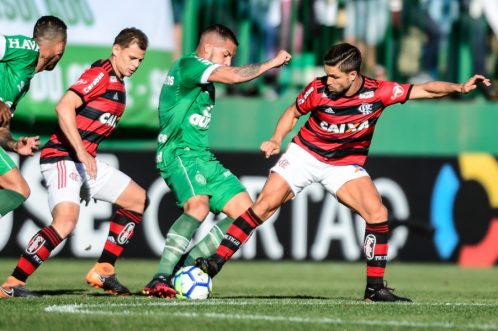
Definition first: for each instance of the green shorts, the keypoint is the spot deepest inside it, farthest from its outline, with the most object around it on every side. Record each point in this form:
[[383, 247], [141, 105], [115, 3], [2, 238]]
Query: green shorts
[[6, 163], [188, 176]]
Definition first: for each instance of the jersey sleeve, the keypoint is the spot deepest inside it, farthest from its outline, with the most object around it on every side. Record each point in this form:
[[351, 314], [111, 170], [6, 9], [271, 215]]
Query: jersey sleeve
[[196, 70], [3, 46], [92, 83], [392, 92], [305, 100]]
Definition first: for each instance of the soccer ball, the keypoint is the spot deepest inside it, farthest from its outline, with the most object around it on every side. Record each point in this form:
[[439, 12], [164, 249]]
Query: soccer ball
[[192, 283]]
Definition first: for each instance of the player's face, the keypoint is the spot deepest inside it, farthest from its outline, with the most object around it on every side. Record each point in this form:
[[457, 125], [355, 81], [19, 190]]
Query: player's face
[[127, 60], [339, 82], [222, 52], [50, 55]]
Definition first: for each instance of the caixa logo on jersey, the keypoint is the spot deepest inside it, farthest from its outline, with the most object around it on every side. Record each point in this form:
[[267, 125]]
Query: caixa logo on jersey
[[109, 119], [365, 108], [126, 233], [35, 244]]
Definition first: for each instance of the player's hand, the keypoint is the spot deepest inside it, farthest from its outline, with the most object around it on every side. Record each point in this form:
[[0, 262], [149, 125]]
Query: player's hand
[[269, 148], [281, 59], [473, 82], [27, 145], [5, 115], [89, 162]]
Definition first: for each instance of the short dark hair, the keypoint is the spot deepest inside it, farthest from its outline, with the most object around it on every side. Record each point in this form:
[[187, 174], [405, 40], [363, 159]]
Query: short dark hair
[[49, 27], [128, 36], [223, 31], [345, 55]]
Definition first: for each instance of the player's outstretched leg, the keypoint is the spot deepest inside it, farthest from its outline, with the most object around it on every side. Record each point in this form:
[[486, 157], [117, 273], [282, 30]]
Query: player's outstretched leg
[[13, 287], [37, 251], [160, 286], [177, 241], [237, 234], [375, 247], [103, 275], [121, 230]]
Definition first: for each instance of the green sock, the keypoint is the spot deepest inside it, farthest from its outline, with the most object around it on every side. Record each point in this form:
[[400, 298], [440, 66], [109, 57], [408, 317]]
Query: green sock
[[9, 200], [209, 244], [177, 241]]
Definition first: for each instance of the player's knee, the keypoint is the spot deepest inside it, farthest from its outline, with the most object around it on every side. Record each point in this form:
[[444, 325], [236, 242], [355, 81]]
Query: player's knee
[[197, 209], [264, 208], [377, 213], [25, 191]]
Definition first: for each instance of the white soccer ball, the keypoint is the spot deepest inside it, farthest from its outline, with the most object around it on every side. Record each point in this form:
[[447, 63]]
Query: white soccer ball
[[192, 283]]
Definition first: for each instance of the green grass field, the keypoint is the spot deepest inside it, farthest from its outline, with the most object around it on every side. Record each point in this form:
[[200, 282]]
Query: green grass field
[[259, 296]]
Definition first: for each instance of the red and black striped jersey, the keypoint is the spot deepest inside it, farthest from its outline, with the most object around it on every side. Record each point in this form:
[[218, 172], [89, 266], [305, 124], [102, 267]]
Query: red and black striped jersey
[[339, 130], [104, 98]]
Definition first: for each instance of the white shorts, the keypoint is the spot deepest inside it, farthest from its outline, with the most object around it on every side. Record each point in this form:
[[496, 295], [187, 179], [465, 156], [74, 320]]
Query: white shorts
[[300, 169], [69, 181]]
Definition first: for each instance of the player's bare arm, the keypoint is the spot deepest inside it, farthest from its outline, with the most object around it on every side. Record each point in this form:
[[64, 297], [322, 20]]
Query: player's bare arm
[[440, 89], [245, 73], [5, 114], [23, 146], [285, 124], [66, 114]]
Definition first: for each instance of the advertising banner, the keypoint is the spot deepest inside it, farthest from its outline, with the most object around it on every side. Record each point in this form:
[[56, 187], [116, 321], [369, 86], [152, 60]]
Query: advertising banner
[[442, 209], [92, 27]]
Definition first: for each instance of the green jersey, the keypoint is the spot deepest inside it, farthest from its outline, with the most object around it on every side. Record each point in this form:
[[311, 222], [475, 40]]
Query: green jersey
[[18, 59], [185, 106]]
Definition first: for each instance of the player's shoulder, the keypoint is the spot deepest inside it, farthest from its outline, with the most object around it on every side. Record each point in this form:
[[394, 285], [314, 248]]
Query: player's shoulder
[[100, 69], [194, 59], [317, 85]]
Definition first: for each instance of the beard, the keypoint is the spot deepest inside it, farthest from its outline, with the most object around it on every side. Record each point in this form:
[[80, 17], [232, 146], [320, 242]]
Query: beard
[[334, 95]]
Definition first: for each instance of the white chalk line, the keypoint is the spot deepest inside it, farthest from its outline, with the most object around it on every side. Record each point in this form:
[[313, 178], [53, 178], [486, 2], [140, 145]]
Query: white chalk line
[[97, 309]]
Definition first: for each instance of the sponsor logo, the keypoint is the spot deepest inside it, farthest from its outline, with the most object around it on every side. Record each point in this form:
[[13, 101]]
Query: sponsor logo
[[306, 95], [109, 119], [159, 157], [344, 127], [162, 138], [329, 110], [202, 121], [366, 95], [26, 44], [8, 293], [397, 92], [199, 178], [365, 108], [126, 233], [94, 83], [115, 96], [170, 80], [113, 79], [35, 244], [232, 240], [369, 246]]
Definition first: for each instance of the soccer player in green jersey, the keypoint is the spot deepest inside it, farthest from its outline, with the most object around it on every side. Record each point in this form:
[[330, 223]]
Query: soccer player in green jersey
[[21, 58], [200, 182]]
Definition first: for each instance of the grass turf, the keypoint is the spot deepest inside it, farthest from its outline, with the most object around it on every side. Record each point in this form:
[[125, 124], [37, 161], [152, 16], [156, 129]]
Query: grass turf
[[259, 296]]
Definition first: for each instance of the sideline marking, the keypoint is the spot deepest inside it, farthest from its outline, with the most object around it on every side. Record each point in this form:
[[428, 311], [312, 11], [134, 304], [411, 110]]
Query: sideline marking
[[97, 309]]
